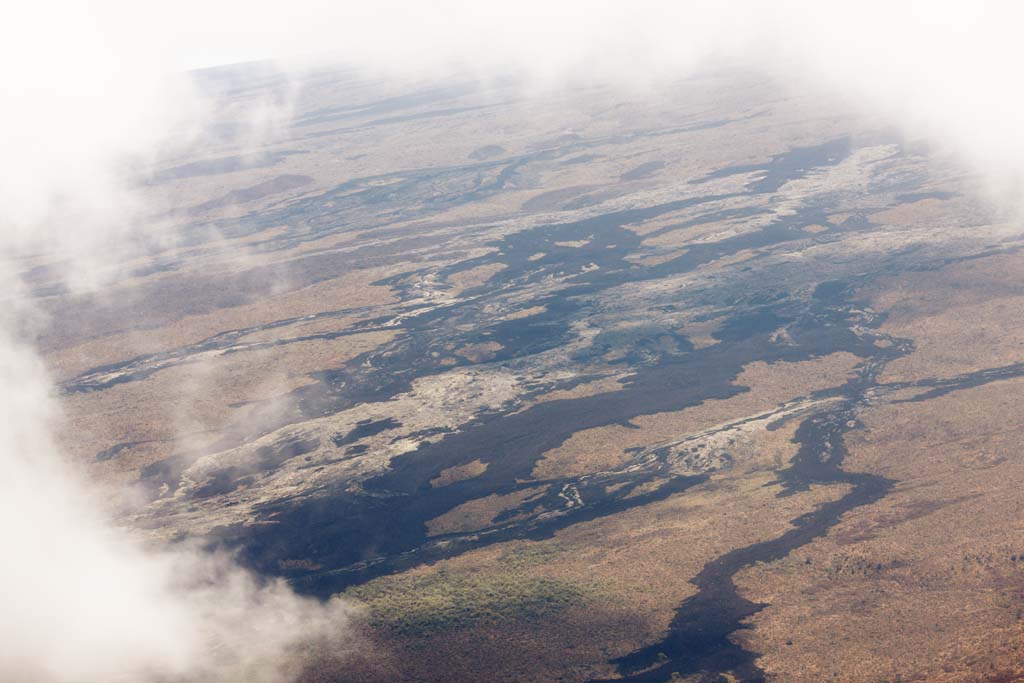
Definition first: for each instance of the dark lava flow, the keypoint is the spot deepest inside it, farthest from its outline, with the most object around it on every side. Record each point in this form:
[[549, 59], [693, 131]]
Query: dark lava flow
[[356, 536], [360, 536], [609, 253], [391, 369], [699, 641]]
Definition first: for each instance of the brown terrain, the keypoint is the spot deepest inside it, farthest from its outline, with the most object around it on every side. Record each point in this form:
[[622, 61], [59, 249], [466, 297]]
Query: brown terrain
[[716, 384]]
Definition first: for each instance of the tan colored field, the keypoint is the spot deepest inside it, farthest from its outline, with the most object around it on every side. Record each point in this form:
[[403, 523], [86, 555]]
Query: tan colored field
[[637, 562], [962, 318], [193, 405], [927, 584], [380, 184], [474, 277], [459, 473], [349, 291], [602, 448]]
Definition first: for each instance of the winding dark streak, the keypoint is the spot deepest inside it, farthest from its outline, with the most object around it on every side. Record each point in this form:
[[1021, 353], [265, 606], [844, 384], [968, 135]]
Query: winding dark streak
[[357, 536], [610, 244], [699, 640], [361, 536]]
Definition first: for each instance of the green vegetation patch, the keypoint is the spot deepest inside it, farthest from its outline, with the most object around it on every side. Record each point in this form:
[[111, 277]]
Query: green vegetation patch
[[530, 555], [444, 600]]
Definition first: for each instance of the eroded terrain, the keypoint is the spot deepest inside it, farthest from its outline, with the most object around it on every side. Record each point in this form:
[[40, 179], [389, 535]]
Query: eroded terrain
[[714, 383]]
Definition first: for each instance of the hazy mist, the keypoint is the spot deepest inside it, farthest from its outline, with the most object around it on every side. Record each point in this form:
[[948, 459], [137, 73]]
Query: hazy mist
[[93, 100]]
